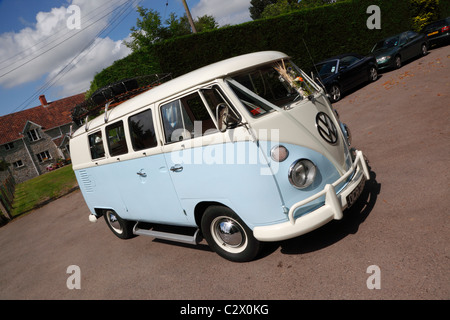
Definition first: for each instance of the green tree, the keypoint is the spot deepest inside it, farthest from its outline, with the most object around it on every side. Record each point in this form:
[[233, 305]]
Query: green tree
[[205, 23], [150, 28], [424, 12], [280, 7], [177, 27], [258, 6]]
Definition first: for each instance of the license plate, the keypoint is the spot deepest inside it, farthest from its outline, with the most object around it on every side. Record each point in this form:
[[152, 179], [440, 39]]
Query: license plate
[[354, 195], [433, 33]]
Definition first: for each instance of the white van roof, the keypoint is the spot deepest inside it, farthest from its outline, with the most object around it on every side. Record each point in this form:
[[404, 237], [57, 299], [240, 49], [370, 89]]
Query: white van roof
[[203, 75]]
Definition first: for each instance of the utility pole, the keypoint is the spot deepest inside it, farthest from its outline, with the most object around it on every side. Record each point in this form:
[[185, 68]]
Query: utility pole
[[188, 14]]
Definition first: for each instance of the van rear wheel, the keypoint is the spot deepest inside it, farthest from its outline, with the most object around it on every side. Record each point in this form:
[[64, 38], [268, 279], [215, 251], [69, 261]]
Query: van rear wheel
[[228, 235], [120, 227]]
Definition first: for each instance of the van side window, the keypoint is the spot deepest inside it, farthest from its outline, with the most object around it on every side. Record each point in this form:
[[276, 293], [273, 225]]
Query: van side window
[[214, 97], [142, 131], [254, 105], [96, 145], [116, 139], [179, 117]]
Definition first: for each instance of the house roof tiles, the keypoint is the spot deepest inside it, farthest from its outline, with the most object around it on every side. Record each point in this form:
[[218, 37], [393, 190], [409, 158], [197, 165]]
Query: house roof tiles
[[56, 113]]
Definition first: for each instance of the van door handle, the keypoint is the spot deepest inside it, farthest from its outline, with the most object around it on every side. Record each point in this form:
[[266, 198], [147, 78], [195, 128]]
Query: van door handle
[[142, 173], [176, 168]]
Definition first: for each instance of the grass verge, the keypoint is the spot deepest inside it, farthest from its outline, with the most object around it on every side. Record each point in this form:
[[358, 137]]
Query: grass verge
[[37, 191]]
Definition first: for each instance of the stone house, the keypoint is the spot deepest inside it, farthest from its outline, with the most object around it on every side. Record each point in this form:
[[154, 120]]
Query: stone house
[[33, 139]]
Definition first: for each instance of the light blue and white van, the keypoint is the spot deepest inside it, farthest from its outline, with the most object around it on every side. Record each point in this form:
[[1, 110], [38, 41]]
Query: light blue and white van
[[241, 152]]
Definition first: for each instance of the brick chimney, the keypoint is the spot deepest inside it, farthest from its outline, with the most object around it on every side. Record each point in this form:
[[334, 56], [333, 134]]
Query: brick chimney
[[43, 100]]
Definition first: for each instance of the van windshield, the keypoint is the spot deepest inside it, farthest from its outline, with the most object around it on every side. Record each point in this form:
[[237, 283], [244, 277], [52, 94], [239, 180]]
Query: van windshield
[[277, 85]]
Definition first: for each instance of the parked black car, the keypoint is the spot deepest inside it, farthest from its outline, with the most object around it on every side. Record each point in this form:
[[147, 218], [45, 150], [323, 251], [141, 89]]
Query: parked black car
[[438, 32], [344, 72], [393, 51]]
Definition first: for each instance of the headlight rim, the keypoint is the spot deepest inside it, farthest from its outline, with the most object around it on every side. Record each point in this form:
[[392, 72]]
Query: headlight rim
[[309, 177]]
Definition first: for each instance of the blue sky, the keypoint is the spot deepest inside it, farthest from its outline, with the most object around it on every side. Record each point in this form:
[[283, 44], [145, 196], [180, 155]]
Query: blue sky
[[41, 54]]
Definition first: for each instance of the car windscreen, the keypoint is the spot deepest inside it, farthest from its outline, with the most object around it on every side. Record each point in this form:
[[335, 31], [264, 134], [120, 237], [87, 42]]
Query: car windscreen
[[326, 69], [386, 43]]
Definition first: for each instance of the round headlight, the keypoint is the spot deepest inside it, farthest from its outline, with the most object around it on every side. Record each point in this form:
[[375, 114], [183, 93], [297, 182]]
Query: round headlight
[[279, 153], [302, 173]]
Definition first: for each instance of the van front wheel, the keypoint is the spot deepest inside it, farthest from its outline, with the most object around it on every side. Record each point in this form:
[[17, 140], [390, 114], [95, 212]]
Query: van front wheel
[[228, 235]]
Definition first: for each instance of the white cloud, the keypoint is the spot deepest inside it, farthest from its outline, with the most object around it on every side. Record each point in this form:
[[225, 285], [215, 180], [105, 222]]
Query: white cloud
[[83, 69], [225, 12], [47, 47]]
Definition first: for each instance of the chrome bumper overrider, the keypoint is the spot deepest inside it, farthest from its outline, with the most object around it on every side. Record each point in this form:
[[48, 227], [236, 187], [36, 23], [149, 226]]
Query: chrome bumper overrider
[[332, 209]]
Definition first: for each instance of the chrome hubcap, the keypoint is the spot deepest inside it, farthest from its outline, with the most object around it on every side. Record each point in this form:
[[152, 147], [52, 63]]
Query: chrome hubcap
[[373, 74], [113, 222], [228, 232], [335, 93]]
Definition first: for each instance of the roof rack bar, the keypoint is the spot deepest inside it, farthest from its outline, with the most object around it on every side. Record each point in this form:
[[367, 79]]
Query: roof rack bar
[[112, 95], [106, 111]]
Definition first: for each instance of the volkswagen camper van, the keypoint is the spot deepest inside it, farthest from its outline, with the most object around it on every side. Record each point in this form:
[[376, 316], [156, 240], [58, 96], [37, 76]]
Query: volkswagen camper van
[[241, 152]]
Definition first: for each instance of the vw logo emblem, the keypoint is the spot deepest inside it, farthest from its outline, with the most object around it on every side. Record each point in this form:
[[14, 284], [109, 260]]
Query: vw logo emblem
[[326, 128]]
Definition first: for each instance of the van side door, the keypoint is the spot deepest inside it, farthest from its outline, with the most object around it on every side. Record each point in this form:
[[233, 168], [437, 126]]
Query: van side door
[[142, 177]]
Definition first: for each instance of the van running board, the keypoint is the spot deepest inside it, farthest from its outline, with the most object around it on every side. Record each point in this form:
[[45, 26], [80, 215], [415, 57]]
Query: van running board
[[171, 233]]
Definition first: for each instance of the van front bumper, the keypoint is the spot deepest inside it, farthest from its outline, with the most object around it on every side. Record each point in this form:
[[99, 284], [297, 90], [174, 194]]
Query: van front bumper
[[332, 209]]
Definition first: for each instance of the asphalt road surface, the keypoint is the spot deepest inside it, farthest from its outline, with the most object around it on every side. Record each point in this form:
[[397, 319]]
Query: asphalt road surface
[[393, 244]]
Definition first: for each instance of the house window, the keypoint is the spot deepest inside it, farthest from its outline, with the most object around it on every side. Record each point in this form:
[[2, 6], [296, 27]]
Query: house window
[[33, 135], [9, 146], [18, 164], [43, 156]]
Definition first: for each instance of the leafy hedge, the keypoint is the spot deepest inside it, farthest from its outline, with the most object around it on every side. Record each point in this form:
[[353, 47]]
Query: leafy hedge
[[424, 12], [444, 8], [327, 30]]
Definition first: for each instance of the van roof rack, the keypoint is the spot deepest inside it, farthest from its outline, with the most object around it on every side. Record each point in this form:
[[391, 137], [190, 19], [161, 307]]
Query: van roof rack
[[116, 93]]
